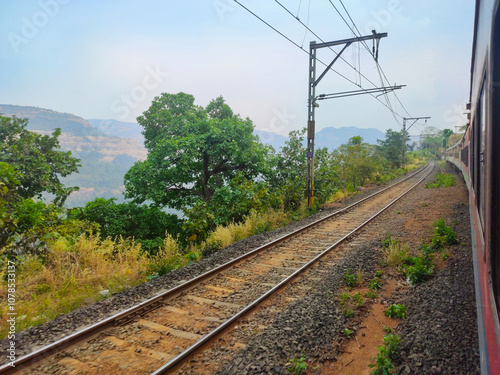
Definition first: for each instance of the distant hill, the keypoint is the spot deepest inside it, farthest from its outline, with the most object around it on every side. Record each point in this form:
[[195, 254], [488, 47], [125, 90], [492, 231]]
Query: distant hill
[[334, 137], [115, 128], [47, 120], [272, 139], [105, 159]]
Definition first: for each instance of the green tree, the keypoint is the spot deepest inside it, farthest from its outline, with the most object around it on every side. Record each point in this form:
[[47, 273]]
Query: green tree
[[357, 162], [446, 135], [288, 172], [147, 225], [37, 158], [193, 151], [325, 175], [392, 147]]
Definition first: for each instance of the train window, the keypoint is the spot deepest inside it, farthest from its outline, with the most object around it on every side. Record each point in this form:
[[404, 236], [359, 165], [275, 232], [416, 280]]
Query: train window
[[481, 157], [478, 154]]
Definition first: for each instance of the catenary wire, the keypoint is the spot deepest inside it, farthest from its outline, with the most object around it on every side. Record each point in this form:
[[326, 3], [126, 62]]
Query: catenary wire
[[356, 70], [301, 48]]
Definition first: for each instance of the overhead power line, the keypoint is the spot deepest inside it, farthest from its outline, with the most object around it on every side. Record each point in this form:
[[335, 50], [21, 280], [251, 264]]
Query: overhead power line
[[320, 61], [379, 67]]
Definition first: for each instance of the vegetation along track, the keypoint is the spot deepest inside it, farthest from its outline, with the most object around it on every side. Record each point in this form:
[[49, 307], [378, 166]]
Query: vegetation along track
[[162, 332]]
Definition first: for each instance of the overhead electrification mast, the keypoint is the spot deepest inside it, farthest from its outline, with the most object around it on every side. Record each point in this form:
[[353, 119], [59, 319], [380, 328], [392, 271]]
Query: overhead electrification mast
[[403, 157], [312, 98]]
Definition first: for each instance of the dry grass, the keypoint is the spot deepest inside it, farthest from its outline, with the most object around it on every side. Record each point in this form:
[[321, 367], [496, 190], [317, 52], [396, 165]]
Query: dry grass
[[394, 255], [71, 276], [337, 196], [253, 223]]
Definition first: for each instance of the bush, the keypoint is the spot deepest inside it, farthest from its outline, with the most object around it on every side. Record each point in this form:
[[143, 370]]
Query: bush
[[146, 224], [443, 235], [396, 311], [421, 270], [442, 180], [350, 278]]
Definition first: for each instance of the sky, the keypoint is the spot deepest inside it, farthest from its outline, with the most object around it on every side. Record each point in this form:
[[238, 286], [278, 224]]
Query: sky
[[108, 59]]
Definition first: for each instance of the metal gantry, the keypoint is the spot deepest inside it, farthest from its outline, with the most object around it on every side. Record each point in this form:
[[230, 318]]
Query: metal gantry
[[403, 157], [313, 82]]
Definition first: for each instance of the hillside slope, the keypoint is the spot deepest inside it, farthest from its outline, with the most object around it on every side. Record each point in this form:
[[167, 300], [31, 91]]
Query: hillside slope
[[104, 159]]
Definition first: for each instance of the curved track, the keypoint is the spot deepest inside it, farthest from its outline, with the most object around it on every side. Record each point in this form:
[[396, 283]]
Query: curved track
[[162, 332]]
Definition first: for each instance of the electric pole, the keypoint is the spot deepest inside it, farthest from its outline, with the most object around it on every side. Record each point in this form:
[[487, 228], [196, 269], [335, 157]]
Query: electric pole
[[404, 134], [313, 82]]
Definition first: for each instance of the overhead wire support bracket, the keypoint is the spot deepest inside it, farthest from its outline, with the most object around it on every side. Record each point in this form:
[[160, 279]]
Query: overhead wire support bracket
[[404, 135], [343, 94], [313, 82]]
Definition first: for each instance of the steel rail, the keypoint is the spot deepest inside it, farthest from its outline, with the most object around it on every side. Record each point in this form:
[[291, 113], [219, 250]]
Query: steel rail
[[217, 331], [32, 358]]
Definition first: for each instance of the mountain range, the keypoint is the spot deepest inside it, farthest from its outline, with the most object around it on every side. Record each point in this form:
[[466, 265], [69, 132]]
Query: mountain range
[[108, 148]]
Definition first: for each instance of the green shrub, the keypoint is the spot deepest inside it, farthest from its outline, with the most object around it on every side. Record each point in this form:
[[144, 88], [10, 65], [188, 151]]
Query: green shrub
[[442, 180], [375, 284], [211, 248], [443, 235], [421, 269], [350, 278], [383, 364], [347, 332], [396, 311], [298, 365], [386, 353]]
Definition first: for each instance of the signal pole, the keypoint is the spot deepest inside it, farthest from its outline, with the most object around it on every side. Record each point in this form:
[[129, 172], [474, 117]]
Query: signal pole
[[404, 135], [313, 82]]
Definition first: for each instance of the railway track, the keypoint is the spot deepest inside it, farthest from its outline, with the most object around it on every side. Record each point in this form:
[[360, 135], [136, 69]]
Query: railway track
[[156, 336]]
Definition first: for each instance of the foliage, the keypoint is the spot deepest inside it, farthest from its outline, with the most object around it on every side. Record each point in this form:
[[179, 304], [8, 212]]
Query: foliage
[[443, 235], [358, 299], [287, 171], [72, 274], [383, 364], [298, 365], [350, 278], [375, 284], [347, 332], [396, 311], [9, 179], [357, 162], [211, 248], [169, 257], [419, 270], [37, 159], [394, 254], [348, 312], [442, 180], [446, 133], [387, 241], [230, 204], [393, 344], [386, 353], [192, 152], [146, 224], [392, 147]]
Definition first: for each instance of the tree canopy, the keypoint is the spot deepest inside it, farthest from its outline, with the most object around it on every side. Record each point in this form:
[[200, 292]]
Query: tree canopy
[[193, 151], [392, 147], [37, 159]]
